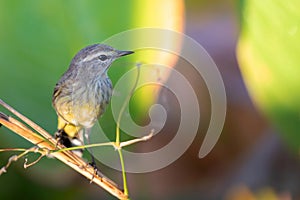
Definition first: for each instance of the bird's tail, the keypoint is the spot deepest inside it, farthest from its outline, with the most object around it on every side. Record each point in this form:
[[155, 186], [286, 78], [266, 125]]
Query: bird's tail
[[64, 139]]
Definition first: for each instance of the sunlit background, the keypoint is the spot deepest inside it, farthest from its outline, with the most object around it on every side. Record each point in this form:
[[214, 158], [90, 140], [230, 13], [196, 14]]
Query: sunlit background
[[255, 45]]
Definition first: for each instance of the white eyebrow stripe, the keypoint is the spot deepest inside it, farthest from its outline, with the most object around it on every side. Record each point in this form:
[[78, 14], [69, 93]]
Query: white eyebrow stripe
[[92, 56]]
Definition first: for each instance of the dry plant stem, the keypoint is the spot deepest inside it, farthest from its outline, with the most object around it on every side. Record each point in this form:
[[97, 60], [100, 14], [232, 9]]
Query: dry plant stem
[[37, 128], [10, 160], [26, 164], [50, 144], [14, 158], [130, 142], [117, 143]]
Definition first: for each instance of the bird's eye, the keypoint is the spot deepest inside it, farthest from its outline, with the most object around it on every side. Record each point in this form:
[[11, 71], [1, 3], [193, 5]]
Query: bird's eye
[[102, 57]]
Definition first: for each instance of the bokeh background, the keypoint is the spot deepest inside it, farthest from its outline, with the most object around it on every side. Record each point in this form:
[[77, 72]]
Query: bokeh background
[[255, 45]]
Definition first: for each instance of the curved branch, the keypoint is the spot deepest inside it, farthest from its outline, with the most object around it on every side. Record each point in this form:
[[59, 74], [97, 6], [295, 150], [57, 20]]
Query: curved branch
[[49, 144]]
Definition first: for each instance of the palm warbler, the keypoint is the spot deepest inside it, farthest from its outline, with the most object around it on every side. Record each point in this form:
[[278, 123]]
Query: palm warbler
[[83, 92]]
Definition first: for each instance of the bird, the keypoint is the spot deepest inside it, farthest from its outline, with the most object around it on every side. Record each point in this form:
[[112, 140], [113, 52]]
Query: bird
[[82, 94]]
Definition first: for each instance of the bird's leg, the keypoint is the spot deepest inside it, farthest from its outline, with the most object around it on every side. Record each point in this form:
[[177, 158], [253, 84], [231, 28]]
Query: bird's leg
[[87, 132]]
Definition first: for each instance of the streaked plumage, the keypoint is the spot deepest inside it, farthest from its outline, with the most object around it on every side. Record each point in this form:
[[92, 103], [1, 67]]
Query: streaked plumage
[[84, 91]]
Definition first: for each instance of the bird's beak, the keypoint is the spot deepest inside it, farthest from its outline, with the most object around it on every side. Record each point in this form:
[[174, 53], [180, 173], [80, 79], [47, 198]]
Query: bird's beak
[[123, 53]]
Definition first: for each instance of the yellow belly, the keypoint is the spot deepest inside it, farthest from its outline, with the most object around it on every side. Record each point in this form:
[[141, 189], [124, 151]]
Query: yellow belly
[[72, 118]]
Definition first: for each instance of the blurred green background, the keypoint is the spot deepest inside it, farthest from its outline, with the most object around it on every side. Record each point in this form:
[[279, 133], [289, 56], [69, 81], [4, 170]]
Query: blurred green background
[[254, 159], [268, 54]]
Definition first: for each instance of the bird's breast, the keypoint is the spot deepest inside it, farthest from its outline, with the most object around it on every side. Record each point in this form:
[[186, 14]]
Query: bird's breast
[[85, 102]]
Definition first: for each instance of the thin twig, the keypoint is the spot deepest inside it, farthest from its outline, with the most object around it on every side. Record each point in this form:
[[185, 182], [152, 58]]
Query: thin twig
[[138, 65], [10, 160], [37, 128], [26, 164], [142, 139], [67, 157], [117, 143], [17, 157]]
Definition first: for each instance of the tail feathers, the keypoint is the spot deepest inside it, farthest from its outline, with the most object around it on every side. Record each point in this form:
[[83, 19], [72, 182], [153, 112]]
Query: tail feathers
[[65, 140]]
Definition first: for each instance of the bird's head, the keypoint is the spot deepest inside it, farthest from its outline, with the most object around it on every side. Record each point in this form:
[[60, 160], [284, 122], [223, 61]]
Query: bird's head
[[96, 58]]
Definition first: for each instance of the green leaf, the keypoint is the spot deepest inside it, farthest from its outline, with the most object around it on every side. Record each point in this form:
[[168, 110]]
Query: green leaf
[[268, 53]]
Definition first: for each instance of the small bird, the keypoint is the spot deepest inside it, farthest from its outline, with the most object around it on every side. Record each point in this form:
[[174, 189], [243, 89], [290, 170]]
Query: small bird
[[83, 92]]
